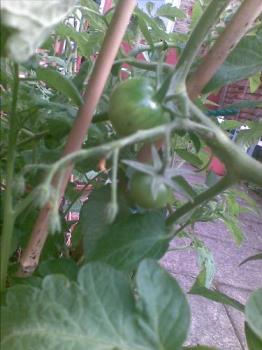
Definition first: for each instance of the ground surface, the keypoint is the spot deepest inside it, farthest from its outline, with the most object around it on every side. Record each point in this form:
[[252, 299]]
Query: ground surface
[[214, 324]]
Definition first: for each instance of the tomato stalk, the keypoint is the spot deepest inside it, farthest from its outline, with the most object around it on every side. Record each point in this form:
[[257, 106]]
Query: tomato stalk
[[9, 217]]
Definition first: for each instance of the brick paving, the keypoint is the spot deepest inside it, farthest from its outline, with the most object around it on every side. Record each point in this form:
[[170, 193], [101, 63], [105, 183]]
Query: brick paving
[[214, 324]]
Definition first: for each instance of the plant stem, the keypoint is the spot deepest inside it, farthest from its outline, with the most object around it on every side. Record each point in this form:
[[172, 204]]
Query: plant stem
[[203, 197], [235, 30], [8, 224], [150, 66], [240, 165], [205, 23]]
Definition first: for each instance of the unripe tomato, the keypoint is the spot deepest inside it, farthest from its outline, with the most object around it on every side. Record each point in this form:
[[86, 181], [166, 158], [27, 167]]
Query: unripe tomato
[[132, 107], [140, 191]]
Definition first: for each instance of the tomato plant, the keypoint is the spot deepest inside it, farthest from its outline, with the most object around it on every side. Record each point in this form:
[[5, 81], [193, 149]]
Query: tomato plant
[[133, 107], [67, 245]]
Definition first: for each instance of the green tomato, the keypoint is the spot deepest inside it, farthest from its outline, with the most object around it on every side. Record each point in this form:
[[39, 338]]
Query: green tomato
[[132, 107], [141, 193]]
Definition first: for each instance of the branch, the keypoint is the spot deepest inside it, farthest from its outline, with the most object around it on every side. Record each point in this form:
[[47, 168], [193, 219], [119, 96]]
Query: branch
[[235, 30], [203, 197], [151, 66], [238, 163], [204, 25], [103, 65], [8, 211]]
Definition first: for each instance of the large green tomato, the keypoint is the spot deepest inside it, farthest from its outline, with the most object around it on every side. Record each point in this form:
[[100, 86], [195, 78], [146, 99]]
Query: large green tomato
[[140, 191], [132, 107]]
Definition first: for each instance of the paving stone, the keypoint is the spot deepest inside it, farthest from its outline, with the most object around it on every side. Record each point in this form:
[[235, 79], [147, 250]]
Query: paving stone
[[210, 324]]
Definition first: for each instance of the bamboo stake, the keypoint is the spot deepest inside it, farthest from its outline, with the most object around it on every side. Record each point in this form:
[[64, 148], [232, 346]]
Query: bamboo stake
[[104, 62]]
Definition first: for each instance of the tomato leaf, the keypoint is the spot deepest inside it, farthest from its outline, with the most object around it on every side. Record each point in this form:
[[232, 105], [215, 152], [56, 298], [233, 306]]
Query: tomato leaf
[[252, 258], [253, 312], [244, 60], [215, 295], [60, 83], [98, 312], [129, 240], [253, 341], [189, 157], [170, 12], [62, 266], [162, 328]]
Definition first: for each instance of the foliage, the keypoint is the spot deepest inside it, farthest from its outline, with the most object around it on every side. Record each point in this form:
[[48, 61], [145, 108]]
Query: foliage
[[98, 284]]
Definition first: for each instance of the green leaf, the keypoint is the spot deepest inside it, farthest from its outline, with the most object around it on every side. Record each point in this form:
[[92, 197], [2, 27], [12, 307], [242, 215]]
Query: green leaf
[[182, 186], [253, 312], [215, 295], [81, 76], [62, 266], [189, 157], [198, 347], [253, 342], [165, 320], [129, 240], [87, 43], [245, 60], [60, 83], [145, 31], [252, 258], [255, 82], [250, 136], [234, 228], [99, 312], [170, 12], [30, 23], [206, 262]]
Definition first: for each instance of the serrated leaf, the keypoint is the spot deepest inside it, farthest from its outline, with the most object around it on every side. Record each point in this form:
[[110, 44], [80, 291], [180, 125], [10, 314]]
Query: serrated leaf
[[206, 262], [255, 82], [215, 295], [87, 43], [142, 167], [234, 229], [184, 187], [93, 222], [245, 60], [164, 320], [99, 312], [250, 136], [253, 342], [253, 312], [31, 22], [60, 83], [170, 12], [145, 31], [189, 157], [129, 240], [252, 258]]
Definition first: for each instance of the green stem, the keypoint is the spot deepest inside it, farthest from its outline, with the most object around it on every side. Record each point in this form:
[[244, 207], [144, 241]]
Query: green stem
[[8, 224], [239, 164], [203, 197], [160, 45], [202, 28], [106, 148], [150, 66], [24, 203]]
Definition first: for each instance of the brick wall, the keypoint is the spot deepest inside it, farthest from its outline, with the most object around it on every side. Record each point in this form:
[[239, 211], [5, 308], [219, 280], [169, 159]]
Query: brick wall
[[238, 92]]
